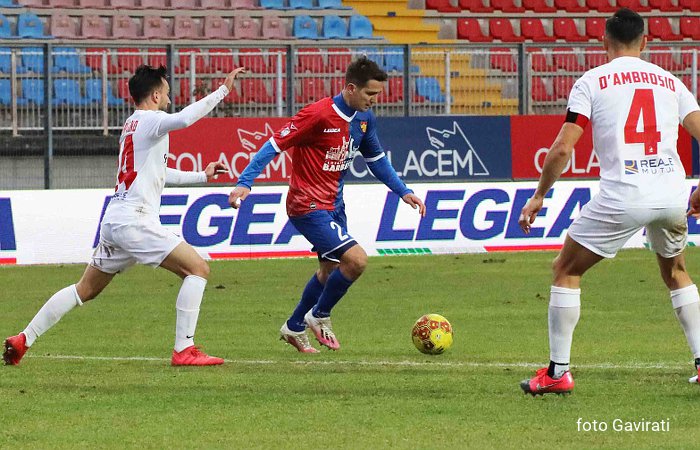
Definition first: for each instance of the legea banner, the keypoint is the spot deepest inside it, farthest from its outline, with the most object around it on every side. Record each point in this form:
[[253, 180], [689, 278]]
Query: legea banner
[[62, 226]]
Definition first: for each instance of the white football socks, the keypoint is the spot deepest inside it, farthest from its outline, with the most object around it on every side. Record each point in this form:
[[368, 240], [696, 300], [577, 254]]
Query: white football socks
[[564, 312], [52, 311], [188, 301], [686, 303]]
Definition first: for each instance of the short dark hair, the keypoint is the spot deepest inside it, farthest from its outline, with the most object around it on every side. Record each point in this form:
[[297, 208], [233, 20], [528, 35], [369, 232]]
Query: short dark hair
[[625, 27], [145, 80], [362, 70]]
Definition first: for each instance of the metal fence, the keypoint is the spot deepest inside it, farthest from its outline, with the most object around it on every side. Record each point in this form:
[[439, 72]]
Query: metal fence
[[62, 108]]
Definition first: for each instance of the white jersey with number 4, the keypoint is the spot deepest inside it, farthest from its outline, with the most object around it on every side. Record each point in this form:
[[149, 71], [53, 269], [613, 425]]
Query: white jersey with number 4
[[635, 108]]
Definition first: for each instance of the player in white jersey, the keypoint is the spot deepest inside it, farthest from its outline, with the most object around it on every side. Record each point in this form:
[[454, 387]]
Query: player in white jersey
[[634, 108], [130, 231]]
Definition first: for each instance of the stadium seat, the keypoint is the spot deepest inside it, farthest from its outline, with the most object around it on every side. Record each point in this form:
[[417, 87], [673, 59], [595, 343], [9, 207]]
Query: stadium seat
[[123, 90], [155, 27], [185, 27], [471, 30], [305, 27], [566, 59], [93, 93], [253, 60], [186, 93], [122, 4], [221, 4], [595, 28], [8, 4], [600, 5], [183, 58], [5, 92], [183, 4], [692, 5], [309, 60], [534, 29], [331, 4], [687, 57], [538, 6], [664, 5], [634, 5], [124, 27], [221, 60], [690, 27], [337, 84], [565, 28], [33, 59], [128, 59], [502, 29], [32, 3], [539, 60], [253, 90], [443, 6], [372, 53], [63, 27], [540, 91], [562, 86], [62, 4], [311, 90], [6, 61], [272, 4], [93, 59], [507, 6], [93, 27], [157, 58], [216, 27], [6, 28], [334, 27], [474, 6], [503, 59], [429, 88], [274, 27], [98, 4], [245, 27], [338, 59], [660, 28], [33, 91], [154, 4], [664, 57], [569, 6], [395, 90], [360, 28], [67, 59], [301, 4], [233, 95], [595, 59], [67, 92], [393, 59], [29, 25]]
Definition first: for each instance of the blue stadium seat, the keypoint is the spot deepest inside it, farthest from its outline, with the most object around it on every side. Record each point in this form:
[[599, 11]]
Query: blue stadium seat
[[33, 59], [393, 59], [67, 92], [332, 4], [30, 26], [8, 4], [372, 53], [6, 28], [305, 27], [360, 27], [429, 88], [334, 27], [93, 92], [6, 94], [272, 4], [33, 91], [6, 61], [67, 58], [301, 4]]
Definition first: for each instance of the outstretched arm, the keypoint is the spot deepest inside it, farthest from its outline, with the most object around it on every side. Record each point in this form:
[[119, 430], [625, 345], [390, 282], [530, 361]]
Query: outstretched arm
[[174, 176]]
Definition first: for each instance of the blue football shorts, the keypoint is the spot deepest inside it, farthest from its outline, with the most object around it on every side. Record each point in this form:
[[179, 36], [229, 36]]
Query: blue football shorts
[[327, 231]]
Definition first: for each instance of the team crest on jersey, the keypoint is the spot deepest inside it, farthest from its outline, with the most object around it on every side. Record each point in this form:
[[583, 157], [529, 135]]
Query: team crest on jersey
[[363, 126]]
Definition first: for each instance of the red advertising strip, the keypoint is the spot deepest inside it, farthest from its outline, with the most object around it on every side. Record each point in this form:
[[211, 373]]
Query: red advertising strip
[[256, 255], [521, 248], [8, 261], [531, 137]]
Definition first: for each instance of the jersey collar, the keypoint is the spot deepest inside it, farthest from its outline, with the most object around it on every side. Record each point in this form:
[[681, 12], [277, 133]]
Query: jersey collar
[[342, 108]]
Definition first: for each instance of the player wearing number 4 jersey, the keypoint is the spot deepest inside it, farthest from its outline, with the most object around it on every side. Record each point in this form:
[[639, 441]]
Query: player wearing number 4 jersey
[[634, 108], [130, 231], [326, 136]]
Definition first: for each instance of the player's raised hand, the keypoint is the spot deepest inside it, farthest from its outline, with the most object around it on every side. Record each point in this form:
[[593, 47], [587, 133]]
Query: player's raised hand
[[415, 202], [214, 169], [529, 213], [237, 195], [228, 82], [694, 204]]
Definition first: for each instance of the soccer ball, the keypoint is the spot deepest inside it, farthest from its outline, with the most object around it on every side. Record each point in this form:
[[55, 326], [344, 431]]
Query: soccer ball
[[432, 334]]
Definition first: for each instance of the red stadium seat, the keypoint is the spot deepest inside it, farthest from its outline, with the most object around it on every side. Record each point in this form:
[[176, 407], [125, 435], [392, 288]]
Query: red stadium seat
[[216, 27], [274, 27], [93, 27], [312, 89], [507, 6], [442, 6], [595, 28], [503, 59], [600, 5], [660, 28], [253, 60], [533, 29], [338, 59], [395, 90], [474, 6], [538, 6], [154, 27], [540, 91], [664, 5], [154, 4], [562, 86], [61, 3], [233, 95], [122, 4], [183, 4], [570, 6], [221, 60], [63, 27], [245, 27], [128, 59], [99, 4], [310, 60], [123, 89], [186, 92], [565, 28], [687, 57], [124, 27], [595, 59], [634, 5], [564, 58], [471, 30], [692, 5], [93, 59], [157, 57], [213, 4], [539, 60], [185, 27], [664, 58], [253, 90], [338, 84], [690, 27], [502, 29], [184, 60]]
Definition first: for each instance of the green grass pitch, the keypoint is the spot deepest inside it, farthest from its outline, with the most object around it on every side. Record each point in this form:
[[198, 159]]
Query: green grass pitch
[[101, 377]]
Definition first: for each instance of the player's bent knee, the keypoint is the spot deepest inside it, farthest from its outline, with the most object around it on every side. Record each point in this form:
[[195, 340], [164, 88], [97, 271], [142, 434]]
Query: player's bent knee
[[201, 269]]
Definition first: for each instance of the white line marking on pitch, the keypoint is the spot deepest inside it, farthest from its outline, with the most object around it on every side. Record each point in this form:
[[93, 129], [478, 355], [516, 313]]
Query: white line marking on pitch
[[601, 366]]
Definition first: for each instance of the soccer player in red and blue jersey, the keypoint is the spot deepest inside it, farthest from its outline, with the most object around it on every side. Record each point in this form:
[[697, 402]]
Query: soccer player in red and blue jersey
[[326, 136]]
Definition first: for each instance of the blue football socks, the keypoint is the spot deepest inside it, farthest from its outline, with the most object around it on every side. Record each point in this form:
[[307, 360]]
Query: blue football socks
[[309, 298], [336, 286]]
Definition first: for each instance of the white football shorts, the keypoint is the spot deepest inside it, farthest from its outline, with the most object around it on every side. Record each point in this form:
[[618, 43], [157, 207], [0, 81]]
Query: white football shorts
[[605, 229], [123, 245]]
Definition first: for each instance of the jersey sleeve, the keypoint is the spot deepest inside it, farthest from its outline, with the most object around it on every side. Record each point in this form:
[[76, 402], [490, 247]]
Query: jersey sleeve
[[301, 128], [189, 115], [370, 147], [686, 102], [580, 99]]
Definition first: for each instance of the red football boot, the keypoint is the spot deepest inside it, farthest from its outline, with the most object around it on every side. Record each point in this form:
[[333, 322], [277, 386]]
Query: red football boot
[[542, 384], [192, 356], [15, 348]]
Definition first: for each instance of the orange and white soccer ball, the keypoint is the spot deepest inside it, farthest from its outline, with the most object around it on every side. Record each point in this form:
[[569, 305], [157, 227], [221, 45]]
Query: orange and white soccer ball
[[432, 334]]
